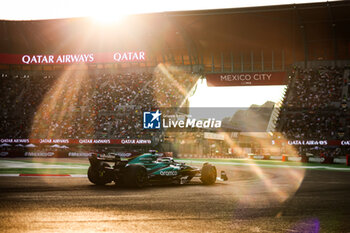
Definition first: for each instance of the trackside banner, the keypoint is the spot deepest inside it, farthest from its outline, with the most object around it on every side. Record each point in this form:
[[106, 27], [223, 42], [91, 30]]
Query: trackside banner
[[80, 58], [78, 141], [246, 79], [312, 142], [66, 154]]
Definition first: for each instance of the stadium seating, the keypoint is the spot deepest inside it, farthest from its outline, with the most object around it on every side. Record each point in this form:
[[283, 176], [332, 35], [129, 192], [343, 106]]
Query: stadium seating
[[77, 105], [315, 107]]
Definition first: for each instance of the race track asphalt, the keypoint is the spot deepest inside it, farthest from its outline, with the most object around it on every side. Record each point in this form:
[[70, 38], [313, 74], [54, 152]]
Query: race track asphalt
[[253, 200]]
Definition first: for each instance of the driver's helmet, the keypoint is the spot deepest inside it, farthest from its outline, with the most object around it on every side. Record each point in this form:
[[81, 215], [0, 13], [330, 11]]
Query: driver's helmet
[[153, 152]]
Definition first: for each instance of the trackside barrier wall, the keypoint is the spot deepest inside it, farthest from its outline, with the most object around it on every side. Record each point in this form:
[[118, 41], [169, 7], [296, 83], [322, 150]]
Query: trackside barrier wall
[[66, 154], [303, 159]]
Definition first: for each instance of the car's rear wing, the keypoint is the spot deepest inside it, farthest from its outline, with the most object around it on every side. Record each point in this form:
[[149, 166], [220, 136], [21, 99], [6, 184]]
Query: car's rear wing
[[111, 157]]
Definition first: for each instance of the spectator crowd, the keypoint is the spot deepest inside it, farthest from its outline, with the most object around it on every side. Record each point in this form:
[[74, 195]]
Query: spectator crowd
[[315, 107], [311, 110], [80, 105]]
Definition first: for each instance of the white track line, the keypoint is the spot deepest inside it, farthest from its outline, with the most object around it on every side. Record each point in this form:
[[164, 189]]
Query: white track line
[[78, 175], [268, 165]]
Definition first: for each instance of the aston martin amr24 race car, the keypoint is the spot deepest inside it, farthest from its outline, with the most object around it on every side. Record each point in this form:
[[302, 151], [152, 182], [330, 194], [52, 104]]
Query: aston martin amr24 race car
[[147, 169]]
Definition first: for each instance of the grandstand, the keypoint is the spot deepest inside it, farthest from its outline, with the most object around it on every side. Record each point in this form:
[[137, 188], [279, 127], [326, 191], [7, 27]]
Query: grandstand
[[94, 83], [316, 109]]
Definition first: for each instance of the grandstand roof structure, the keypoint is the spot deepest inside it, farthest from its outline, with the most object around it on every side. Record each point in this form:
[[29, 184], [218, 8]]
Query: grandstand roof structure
[[212, 38]]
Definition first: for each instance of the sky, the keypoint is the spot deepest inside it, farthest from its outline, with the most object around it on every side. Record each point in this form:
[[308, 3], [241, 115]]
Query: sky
[[220, 102], [108, 10]]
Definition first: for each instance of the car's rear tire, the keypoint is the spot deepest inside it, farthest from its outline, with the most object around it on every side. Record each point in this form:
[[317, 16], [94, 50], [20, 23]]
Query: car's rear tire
[[97, 175], [135, 176], [208, 174]]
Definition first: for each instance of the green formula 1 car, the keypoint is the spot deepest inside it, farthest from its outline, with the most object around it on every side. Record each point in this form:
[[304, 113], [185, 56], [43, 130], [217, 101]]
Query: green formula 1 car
[[147, 169]]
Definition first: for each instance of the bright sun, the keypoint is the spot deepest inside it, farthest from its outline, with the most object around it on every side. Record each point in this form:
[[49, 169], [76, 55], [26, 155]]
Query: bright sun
[[109, 15], [108, 18]]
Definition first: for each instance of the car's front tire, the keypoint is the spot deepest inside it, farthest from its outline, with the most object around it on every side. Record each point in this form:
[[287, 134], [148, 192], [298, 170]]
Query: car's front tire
[[135, 176], [208, 174]]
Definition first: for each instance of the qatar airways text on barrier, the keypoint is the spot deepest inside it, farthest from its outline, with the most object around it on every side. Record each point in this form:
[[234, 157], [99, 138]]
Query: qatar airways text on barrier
[[80, 58]]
